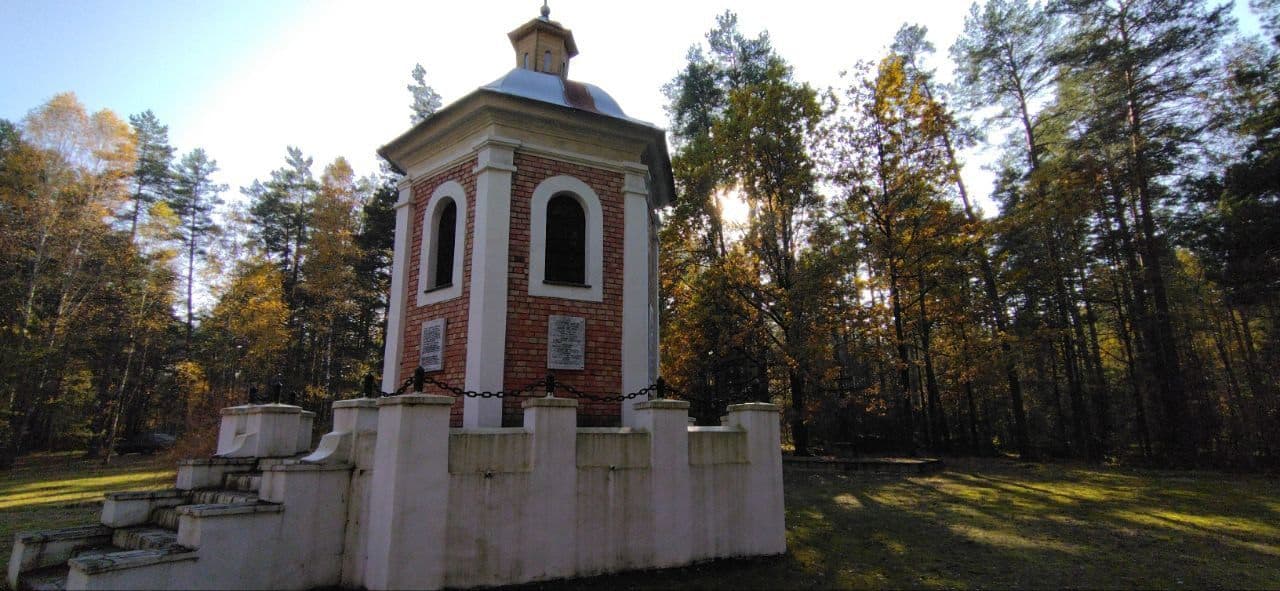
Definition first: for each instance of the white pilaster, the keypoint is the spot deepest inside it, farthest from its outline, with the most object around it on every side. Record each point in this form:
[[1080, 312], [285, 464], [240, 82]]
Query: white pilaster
[[399, 284], [487, 321], [635, 289]]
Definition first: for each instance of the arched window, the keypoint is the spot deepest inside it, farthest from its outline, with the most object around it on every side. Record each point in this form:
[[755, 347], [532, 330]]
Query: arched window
[[566, 241], [444, 237], [526, 60], [546, 62], [446, 229], [566, 253]]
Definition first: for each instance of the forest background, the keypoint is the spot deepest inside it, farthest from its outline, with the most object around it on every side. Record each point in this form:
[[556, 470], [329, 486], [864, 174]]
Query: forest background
[[1121, 305]]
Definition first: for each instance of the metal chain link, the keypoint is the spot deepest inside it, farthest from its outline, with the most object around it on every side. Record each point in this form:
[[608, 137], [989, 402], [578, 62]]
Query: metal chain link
[[549, 385]]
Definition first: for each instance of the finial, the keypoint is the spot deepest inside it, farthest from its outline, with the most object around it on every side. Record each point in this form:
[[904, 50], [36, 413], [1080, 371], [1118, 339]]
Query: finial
[[546, 10]]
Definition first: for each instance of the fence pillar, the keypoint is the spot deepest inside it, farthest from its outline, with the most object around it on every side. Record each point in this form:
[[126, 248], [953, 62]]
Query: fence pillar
[[667, 424], [410, 470], [764, 523], [553, 486]]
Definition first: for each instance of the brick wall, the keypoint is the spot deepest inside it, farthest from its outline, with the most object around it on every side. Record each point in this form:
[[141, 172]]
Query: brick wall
[[527, 315], [453, 310]]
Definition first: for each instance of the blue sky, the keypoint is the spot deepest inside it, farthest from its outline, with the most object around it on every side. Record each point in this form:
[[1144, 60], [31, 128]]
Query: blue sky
[[244, 79]]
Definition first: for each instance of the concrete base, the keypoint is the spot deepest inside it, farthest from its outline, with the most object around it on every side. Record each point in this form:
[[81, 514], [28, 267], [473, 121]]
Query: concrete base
[[395, 499]]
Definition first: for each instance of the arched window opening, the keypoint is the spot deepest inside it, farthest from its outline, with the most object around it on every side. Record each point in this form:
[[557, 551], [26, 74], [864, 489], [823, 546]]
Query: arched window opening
[[546, 62], [526, 60], [566, 253], [446, 231]]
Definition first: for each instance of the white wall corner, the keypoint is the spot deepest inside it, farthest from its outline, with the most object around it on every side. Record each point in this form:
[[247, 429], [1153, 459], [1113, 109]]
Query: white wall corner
[[635, 290], [394, 345]]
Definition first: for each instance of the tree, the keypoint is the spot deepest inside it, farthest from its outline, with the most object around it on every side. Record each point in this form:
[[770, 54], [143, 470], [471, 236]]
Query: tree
[[911, 44], [425, 99], [195, 195], [152, 179], [1149, 61], [744, 125]]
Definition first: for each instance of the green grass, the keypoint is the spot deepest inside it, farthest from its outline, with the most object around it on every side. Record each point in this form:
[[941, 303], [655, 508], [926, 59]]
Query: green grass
[[45, 491], [1001, 524], [980, 523]]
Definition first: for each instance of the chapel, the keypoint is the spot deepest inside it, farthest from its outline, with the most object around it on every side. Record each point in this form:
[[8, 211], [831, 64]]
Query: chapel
[[526, 240]]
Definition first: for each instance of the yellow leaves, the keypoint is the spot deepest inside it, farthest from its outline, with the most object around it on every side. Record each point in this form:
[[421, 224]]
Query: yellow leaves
[[254, 313]]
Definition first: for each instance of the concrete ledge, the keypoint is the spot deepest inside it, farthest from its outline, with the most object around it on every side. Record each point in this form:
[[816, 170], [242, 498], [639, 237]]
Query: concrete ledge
[[309, 467], [217, 461], [416, 400], [548, 401], [129, 559], [356, 403], [46, 548], [236, 410], [287, 409], [663, 404], [59, 535], [224, 510], [146, 495], [755, 406]]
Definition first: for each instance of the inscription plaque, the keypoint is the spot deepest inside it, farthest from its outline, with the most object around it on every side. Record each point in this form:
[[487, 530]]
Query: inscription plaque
[[566, 342], [431, 350]]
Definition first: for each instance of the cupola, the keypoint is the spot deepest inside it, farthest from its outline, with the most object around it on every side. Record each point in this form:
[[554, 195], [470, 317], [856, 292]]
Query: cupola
[[543, 45]]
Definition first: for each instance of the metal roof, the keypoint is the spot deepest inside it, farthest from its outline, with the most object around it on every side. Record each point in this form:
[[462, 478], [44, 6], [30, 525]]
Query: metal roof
[[555, 90]]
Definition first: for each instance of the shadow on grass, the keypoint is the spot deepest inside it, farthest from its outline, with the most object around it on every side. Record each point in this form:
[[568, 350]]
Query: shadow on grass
[[1002, 524]]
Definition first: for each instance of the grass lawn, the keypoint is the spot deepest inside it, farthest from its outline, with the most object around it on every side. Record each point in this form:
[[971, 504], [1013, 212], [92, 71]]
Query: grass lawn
[[980, 523], [1002, 524], [45, 491]]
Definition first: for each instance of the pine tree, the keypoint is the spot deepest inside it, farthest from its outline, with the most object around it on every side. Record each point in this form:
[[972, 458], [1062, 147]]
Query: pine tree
[[152, 179], [425, 99], [195, 195]]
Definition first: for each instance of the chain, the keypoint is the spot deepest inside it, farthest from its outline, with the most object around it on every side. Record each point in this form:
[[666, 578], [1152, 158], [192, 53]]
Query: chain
[[549, 385], [608, 397]]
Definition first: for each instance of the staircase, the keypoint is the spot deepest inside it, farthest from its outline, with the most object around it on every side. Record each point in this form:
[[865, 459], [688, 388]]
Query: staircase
[[223, 525], [49, 556]]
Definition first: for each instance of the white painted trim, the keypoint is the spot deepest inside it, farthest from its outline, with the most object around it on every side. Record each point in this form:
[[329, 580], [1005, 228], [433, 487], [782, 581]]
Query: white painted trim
[[426, 254], [590, 202], [635, 291], [434, 165], [487, 306], [392, 349]]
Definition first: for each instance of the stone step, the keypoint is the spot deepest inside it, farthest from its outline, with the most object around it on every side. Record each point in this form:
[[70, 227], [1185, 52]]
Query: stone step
[[222, 497], [144, 538], [166, 517], [54, 578], [50, 578], [243, 481]]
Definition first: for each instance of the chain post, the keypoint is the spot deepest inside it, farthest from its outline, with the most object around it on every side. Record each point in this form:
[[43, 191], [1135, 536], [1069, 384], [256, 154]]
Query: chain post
[[277, 389], [662, 389], [551, 385], [368, 385], [253, 394], [419, 378]]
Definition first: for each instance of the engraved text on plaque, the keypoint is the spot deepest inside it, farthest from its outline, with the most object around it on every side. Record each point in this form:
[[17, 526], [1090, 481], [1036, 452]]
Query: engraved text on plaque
[[431, 351], [566, 341]]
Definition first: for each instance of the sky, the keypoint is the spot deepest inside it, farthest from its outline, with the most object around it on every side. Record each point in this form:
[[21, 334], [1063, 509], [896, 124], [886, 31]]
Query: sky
[[245, 79]]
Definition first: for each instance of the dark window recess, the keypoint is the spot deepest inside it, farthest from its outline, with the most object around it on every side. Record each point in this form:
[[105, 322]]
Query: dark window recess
[[446, 228], [566, 260]]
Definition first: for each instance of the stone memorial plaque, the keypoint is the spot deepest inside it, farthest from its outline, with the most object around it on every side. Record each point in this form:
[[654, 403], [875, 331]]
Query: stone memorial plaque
[[431, 349], [566, 342]]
